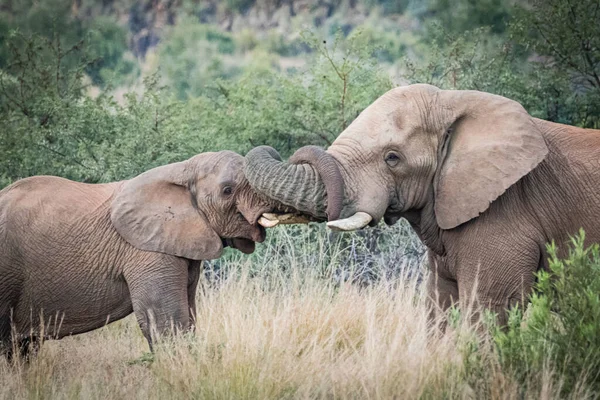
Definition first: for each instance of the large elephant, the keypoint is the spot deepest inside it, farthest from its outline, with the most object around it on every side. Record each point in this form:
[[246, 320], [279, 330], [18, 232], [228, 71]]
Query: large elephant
[[74, 256], [483, 184]]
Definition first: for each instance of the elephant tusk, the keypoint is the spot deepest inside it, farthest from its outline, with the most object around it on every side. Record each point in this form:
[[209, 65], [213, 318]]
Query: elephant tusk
[[271, 216], [289, 219], [269, 220], [357, 221], [267, 223]]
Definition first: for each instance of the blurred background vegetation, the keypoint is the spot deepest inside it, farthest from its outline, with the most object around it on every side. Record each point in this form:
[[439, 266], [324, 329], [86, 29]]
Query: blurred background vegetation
[[100, 90]]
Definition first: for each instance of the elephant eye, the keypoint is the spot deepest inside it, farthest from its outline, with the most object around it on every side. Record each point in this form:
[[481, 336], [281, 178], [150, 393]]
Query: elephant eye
[[392, 159], [227, 190]]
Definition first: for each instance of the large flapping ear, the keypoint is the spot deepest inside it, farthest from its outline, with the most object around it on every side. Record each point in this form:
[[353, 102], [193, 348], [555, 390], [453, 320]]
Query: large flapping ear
[[492, 143], [156, 211]]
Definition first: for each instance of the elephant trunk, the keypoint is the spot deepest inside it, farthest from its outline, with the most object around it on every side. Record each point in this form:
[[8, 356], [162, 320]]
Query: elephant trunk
[[310, 180]]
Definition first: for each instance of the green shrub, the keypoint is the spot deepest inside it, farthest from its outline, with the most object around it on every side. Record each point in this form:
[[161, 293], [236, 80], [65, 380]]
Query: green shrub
[[50, 127], [565, 38], [561, 329], [546, 58]]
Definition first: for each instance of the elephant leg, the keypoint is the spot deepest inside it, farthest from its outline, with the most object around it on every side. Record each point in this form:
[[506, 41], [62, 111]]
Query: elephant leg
[[442, 291], [499, 280], [193, 278], [5, 335], [159, 297], [28, 347]]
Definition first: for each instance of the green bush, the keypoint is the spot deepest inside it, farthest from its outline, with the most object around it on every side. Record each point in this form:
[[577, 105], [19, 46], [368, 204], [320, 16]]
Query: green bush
[[565, 38], [561, 328], [547, 58], [51, 127]]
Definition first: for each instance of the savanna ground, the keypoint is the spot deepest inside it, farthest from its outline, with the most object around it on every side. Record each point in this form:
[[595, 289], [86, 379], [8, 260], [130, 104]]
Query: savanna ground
[[102, 91]]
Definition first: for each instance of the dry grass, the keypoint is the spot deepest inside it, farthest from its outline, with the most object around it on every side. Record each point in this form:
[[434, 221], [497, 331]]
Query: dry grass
[[264, 335]]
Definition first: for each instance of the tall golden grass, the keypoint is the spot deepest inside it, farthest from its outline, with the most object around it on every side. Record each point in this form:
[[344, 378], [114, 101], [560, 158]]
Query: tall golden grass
[[270, 332]]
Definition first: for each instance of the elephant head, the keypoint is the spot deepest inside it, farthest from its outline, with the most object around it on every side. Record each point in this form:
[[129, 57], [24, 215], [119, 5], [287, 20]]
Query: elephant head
[[191, 209], [415, 146]]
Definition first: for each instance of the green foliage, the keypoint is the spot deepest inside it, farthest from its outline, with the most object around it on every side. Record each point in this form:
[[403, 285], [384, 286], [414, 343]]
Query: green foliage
[[108, 45], [193, 55], [290, 111], [569, 32], [478, 61], [51, 127], [566, 36], [459, 16], [55, 21], [547, 58], [387, 41], [562, 325]]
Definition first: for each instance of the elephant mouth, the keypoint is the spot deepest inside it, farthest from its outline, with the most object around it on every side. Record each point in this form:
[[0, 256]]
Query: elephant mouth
[[244, 245], [390, 218]]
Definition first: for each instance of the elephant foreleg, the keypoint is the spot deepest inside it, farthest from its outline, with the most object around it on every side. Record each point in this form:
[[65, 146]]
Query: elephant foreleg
[[193, 277], [159, 297], [442, 292], [5, 335], [498, 280], [28, 347]]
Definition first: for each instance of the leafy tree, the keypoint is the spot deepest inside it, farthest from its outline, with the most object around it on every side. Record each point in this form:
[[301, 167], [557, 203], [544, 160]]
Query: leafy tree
[[51, 127], [564, 36], [535, 63]]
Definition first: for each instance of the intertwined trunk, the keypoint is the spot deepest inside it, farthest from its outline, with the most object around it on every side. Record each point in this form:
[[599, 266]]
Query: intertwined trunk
[[310, 182]]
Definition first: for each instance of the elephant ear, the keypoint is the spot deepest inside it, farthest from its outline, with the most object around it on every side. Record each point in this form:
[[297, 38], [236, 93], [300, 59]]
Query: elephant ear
[[492, 143], [156, 211]]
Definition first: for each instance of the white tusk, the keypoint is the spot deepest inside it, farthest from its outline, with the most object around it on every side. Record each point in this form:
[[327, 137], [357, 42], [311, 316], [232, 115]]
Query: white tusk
[[357, 221], [289, 219], [267, 223], [269, 220], [271, 216]]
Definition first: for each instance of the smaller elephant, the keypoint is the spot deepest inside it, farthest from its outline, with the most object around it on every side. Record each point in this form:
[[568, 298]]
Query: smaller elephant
[[75, 256]]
